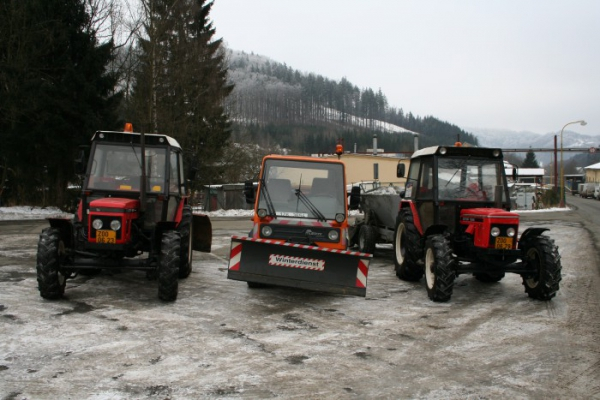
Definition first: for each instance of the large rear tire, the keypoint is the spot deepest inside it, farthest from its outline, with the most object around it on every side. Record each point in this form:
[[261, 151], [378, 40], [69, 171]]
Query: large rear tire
[[541, 253], [185, 230], [366, 239], [168, 266], [439, 268], [51, 277], [406, 245]]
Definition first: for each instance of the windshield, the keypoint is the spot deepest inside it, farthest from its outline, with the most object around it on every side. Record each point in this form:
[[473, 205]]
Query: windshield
[[469, 179], [303, 189], [117, 167]]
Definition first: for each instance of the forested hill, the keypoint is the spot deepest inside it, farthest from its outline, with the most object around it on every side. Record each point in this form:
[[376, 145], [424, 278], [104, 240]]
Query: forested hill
[[274, 105]]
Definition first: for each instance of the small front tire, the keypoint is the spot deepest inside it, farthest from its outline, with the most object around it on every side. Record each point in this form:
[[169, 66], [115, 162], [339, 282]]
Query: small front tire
[[541, 254], [168, 266], [50, 275], [439, 268], [185, 231]]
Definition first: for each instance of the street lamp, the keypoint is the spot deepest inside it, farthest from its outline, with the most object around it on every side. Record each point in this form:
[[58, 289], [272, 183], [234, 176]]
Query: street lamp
[[562, 167]]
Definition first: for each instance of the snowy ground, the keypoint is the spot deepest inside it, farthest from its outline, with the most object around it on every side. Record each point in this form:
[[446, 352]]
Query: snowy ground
[[111, 338]]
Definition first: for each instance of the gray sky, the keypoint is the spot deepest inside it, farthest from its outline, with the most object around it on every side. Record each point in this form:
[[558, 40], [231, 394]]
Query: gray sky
[[524, 65]]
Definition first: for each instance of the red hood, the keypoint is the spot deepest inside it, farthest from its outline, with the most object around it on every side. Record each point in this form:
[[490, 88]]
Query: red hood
[[116, 203], [488, 212]]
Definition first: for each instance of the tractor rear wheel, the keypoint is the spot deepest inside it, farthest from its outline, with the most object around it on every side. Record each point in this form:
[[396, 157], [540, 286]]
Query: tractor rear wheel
[[185, 230], [168, 266], [541, 254], [439, 268], [406, 239], [366, 239], [50, 275]]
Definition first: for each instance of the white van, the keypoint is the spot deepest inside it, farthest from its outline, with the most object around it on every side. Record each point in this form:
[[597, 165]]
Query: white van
[[587, 190]]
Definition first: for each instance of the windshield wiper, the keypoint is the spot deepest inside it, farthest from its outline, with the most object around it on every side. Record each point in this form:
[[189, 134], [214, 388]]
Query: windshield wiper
[[314, 210], [265, 193]]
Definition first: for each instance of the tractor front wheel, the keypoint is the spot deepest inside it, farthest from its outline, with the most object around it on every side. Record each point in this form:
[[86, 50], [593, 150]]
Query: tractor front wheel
[[540, 253], [185, 230], [50, 275], [168, 266], [439, 268], [406, 239]]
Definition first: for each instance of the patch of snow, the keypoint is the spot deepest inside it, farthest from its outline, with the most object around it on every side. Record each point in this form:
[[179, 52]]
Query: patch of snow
[[29, 213]]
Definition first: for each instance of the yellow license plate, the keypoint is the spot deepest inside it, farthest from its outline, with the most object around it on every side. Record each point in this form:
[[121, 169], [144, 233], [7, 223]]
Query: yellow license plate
[[106, 237], [504, 243]]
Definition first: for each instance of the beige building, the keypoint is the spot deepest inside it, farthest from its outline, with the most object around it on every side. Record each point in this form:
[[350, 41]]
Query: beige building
[[368, 168], [592, 173]]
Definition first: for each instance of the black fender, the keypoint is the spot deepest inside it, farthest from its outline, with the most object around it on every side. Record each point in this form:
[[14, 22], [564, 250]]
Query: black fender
[[436, 230], [67, 231], [530, 233]]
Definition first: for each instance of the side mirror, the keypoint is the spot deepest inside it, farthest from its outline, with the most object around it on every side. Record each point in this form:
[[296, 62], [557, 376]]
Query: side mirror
[[249, 192], [354, 198], [400, 170]]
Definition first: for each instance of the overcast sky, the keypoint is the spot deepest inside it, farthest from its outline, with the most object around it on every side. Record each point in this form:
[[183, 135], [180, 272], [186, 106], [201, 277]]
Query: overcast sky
[[523, 65]]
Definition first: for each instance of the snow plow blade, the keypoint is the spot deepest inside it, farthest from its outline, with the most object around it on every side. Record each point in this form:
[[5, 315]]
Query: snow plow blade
[[201, 233], [300, 266]]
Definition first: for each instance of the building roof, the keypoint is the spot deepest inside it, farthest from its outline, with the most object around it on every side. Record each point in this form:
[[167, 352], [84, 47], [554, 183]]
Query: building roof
[[593, 166]]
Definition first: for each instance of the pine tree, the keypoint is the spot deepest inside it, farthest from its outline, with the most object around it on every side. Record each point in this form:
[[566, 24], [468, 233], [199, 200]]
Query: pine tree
[[182, 84], [530, 160], [55, 91]]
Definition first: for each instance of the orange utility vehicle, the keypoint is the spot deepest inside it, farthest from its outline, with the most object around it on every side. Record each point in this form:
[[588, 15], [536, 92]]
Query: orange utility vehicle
[[300, 233]]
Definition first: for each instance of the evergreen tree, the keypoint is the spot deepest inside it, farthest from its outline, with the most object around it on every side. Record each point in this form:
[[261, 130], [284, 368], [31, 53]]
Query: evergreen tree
[[54, 92], [530, 160], [182, 84]]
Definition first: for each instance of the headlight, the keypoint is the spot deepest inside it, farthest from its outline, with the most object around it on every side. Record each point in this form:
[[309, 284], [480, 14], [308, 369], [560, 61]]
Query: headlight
[[115, 224], [340, 218], [495, 231], [333, 235], [266, 230], [261, 213], [443, 150], [511, 232], [496, 153], [97, 224]]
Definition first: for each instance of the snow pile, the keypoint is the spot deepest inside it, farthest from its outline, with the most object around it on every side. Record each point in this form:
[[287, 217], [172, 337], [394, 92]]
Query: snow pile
[[227, 213], [384, 190], [27, 212]]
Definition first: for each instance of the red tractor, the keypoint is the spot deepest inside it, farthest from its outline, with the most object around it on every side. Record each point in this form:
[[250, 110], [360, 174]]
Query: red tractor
[[454, 218], [126, 211]]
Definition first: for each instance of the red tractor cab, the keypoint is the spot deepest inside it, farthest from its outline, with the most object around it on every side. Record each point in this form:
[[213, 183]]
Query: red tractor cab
[[454, 218], [133, 213]]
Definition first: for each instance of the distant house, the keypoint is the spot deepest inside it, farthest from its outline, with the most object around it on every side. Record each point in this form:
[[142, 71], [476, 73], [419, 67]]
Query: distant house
[[524, 175], [368, 168], [592, 173]]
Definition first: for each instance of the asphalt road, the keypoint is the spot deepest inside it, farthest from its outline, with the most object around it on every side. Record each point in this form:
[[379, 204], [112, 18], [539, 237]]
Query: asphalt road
[[111, 338]]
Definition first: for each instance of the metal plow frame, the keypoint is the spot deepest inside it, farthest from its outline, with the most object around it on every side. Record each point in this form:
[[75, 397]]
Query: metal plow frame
[[300, 266]]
